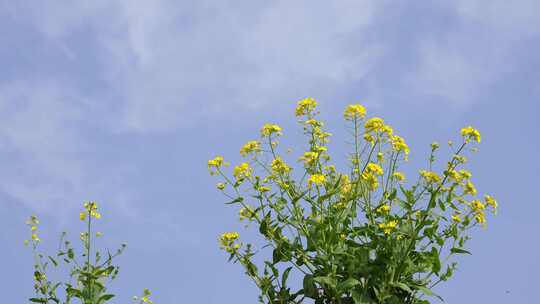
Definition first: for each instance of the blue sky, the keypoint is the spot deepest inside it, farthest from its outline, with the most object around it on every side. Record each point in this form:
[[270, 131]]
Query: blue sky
[[123, 102]]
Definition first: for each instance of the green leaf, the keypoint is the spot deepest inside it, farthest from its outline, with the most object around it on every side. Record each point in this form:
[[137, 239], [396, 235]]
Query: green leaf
[[402, 286], [310, 290], [105, 297], [236, 200], [38, 300], [348, 284], [326, 280], [459, 250], [284, 276]]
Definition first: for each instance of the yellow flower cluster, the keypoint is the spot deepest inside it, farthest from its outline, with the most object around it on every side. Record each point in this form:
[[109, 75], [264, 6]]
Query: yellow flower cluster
[[242, 171], [250, 147], [279, 167], [383, 209], [345, 185], [91, 208], [305, 106], [430, 176], [354, 111], [215, 164], [398, 144], [374, 124], [227, 241], [399, 176], [469, 188], [269, 129], [317, 179], [309, 158], [478, 209], [470, 133], [388, 227], [370, 175]]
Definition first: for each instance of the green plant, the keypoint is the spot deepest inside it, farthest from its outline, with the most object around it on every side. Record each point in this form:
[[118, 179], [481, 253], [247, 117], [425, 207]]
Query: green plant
[[90, 271], [359, 236]]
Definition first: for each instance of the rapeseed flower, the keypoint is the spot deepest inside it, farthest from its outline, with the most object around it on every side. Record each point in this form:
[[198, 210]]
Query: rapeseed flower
[[317, 179], [470, 133], [354, 111], [250, 147], [269, 129], [305, 106]]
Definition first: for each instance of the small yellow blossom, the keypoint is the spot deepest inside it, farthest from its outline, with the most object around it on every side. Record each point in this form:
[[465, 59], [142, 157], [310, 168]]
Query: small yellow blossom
[[490, 201], [82, 216], [369, 138], [430, 176], [279, 166], [371, 180], [242, 171], [227, 240], [480, 217], [470, 133], [383, 209], [269, 129], [354, 111], [345, 185], [305, 106], [398, 144], [388, 227], [309, 158], [35, 237], [456, 218], [252, 146], [92, 209], [220, 186], [317, 179], [399, 176], [434, 145], [374, 168], [374, 124], [465, 174], [216, 162], [469, 188]]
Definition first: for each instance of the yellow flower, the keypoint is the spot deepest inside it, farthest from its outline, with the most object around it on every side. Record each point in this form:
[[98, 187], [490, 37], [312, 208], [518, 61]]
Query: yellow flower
[[477, 205], [398, 144], [309, 158], [480, 217], [242, 171], [354, 111], [216, 162], [374, 124], [383, 209], [314, 123], [269, 129], [220, 186], [490, 201], [317, 179], [375, 169], [342, 236], [369, 138], [227, 240], [82, 216], [456, 218], [35, 237], [250, 147], [279, 166], [305, 106], [388, 227], [371, 179], [469, 188], [345, 186], [465, 174], [399, 176], [430, 176], [91, 208], [470, 133]]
